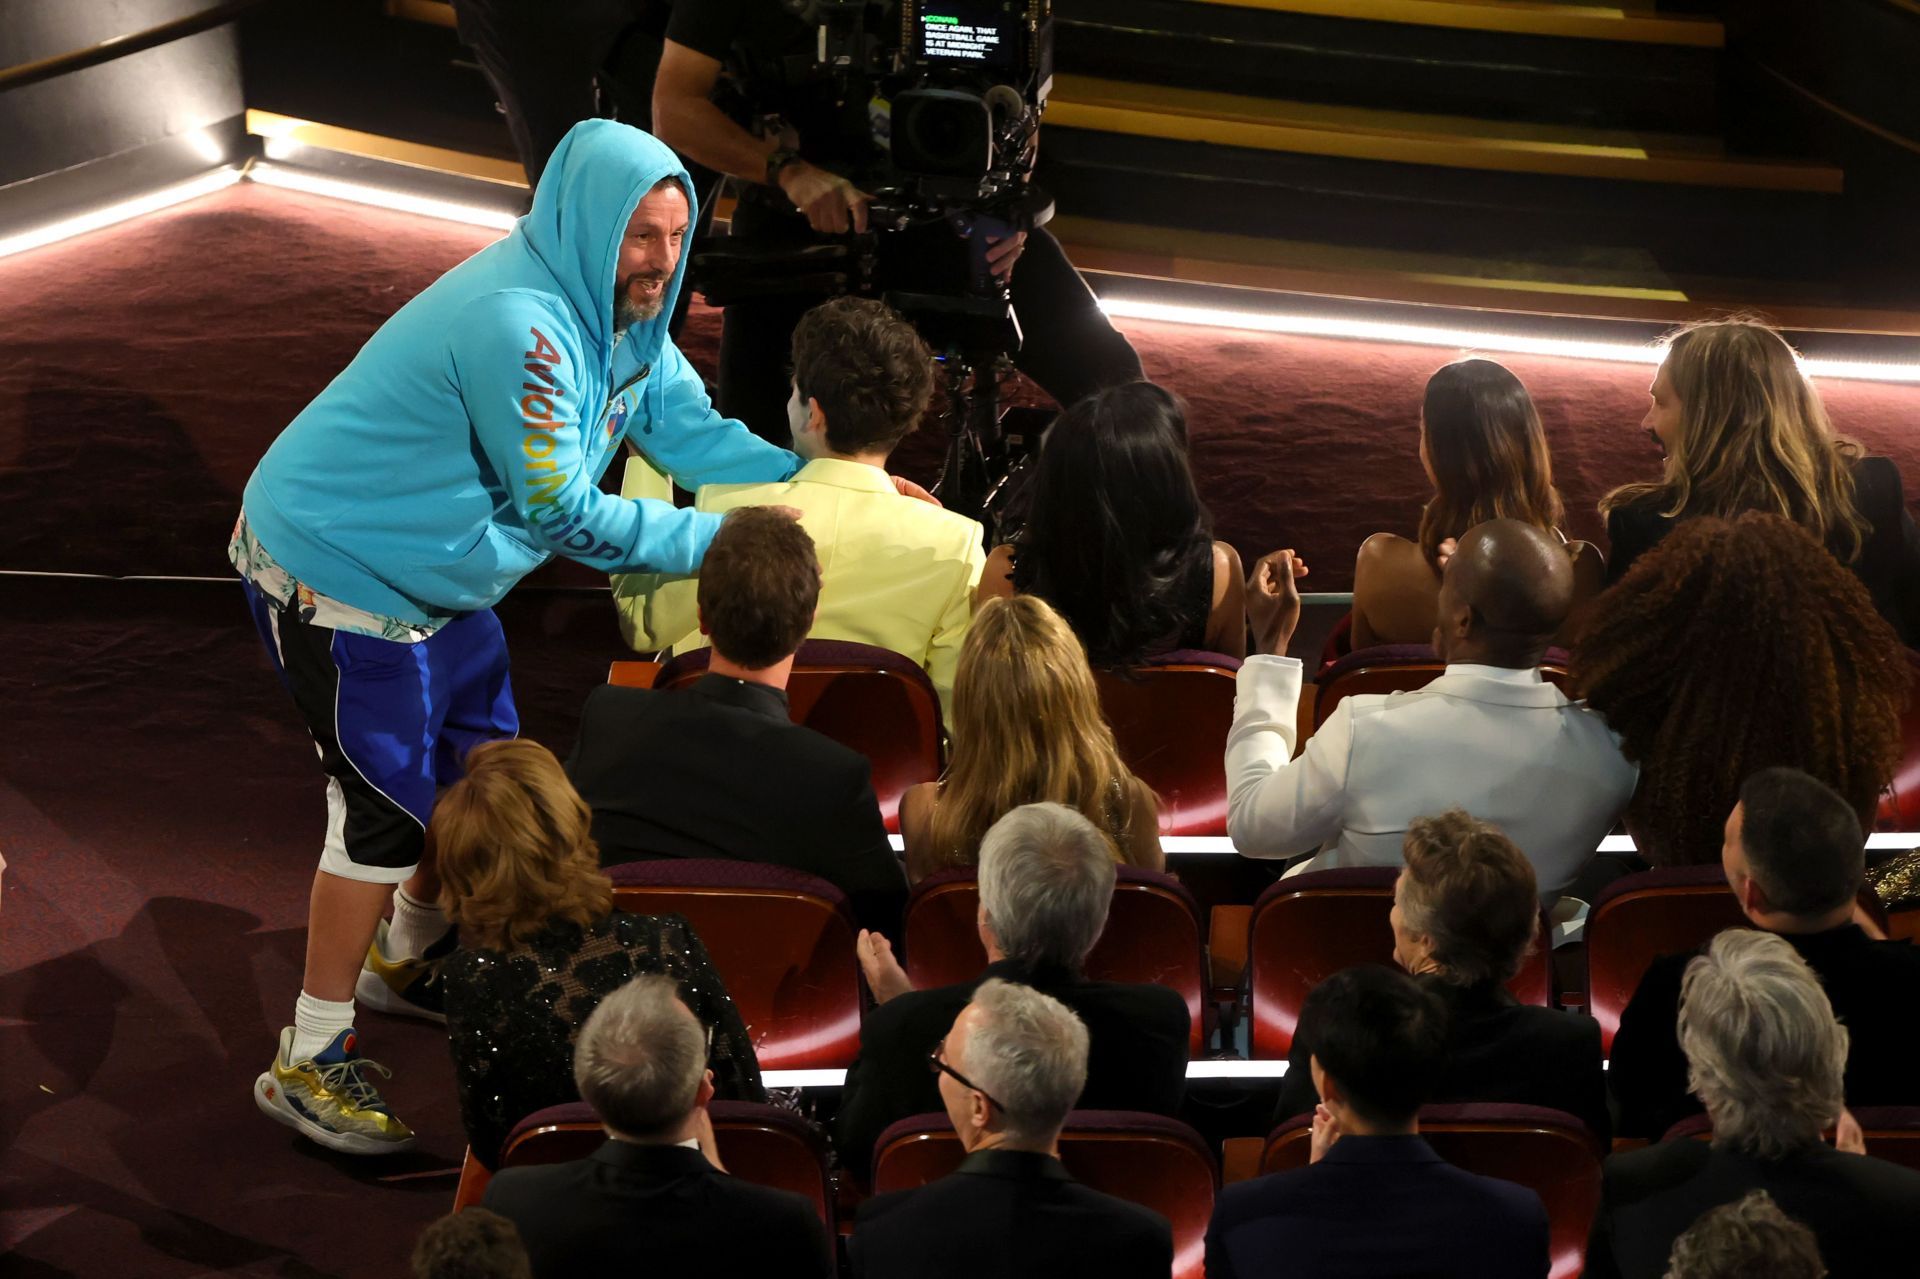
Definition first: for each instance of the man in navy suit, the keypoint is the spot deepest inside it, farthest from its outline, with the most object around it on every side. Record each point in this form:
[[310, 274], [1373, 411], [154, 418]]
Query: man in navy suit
[[1376, 1199]]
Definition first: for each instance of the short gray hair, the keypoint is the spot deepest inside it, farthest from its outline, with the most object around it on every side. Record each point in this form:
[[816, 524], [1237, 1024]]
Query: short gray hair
[[1764, 1052], [1749, 1236], [640, 1057], [1046, 881], [1029, 1052]]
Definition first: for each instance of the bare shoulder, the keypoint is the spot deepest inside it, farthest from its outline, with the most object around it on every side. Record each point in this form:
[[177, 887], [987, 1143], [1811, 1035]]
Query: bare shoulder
[[1385, 551], [1226, 562]]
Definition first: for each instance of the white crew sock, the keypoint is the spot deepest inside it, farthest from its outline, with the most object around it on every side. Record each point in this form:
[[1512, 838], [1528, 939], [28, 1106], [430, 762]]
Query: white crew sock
[[316, 1022], [416, 925]]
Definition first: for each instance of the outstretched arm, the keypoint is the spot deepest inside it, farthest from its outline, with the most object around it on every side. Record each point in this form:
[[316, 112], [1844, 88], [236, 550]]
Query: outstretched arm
[[517, 367]]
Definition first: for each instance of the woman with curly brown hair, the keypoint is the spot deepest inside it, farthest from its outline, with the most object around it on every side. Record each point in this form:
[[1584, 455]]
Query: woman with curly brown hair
[[540, 944], [1743, 429], [1733, 646]]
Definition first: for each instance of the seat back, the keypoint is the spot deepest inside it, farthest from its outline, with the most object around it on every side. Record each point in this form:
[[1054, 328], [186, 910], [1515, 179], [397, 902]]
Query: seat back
[[1892, 1132], [1900, 805], [1150, 1160], [1170, 720], [1547, 1151], [868, 699], [1153, 936], [783, 942], [1307, 927], [1639, 917], [762, 1144], [1402, 668]]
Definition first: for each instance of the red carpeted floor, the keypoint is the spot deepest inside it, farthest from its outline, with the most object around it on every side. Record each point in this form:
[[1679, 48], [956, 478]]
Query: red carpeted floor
[[159, 808]]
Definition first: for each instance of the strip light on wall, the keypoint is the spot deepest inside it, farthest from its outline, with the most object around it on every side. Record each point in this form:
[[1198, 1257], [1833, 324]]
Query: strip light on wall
[[121, 211], [381, 197], [1221, 846], [1470, 339]]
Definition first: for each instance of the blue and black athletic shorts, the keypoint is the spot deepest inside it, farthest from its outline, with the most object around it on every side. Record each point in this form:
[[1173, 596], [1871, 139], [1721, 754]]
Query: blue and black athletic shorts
[[393, 722]]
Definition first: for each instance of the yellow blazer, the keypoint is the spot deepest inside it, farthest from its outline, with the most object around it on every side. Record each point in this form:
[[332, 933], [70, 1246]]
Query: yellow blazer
[[894, 571]]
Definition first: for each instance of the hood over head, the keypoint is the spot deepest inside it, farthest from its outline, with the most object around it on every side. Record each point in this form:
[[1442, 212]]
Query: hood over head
[[589, 189]]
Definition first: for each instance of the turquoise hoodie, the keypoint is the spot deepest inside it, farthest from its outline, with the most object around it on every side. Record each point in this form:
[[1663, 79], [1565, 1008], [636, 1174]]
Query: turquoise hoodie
[[463, 446]]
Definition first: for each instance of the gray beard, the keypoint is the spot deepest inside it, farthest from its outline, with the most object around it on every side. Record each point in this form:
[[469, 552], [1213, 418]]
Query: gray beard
[[626, 314]]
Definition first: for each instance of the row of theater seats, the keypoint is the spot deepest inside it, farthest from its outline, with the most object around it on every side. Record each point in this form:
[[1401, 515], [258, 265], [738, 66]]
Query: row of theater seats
[[783, 941], [1170, 718], [1162, 1163]]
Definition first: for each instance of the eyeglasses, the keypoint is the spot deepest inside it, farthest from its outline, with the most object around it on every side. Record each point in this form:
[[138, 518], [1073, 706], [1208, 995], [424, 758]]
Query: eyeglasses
[[938, 1065]]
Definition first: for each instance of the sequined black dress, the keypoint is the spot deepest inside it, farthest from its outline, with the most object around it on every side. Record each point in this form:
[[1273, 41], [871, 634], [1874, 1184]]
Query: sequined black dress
[[512, 1015]]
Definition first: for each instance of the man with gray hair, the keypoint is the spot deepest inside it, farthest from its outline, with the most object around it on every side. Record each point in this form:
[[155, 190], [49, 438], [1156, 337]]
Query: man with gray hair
[[654, 1199], [1008, 1073], [1794, 859], [1046, 880], [1765, 1055]]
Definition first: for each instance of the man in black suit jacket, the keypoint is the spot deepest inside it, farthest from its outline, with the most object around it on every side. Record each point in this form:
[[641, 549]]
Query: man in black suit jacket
[[720, 769], [1046, 880], [1008, 1073], [1765, 1054], [654, 1200], [1793, 856], [1375, 1199]]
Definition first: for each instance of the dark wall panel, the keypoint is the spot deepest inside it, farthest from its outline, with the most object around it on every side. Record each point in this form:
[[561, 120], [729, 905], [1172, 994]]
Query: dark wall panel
[[118, 106]]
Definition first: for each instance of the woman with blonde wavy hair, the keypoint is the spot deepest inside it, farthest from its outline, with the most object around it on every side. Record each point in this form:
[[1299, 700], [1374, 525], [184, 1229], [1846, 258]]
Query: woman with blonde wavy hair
[[1743, 429], [541, 944], [1027, 729]]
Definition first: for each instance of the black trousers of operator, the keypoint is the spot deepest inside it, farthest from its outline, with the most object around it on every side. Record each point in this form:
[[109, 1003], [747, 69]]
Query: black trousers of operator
[[1068, 346], [545, 61]]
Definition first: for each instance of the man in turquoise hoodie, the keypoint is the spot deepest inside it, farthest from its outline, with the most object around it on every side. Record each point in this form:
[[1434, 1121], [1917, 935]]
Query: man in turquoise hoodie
[[460, 450]]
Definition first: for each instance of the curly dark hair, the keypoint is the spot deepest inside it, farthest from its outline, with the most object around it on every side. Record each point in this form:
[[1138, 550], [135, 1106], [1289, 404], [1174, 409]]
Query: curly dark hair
[[1734, 646], [868, 368]]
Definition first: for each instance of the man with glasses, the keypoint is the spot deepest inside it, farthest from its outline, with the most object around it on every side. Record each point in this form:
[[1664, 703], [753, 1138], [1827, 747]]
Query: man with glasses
[[1009, 1072]]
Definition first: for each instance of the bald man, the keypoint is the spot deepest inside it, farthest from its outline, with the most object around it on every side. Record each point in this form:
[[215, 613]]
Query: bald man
[[1489, 735]]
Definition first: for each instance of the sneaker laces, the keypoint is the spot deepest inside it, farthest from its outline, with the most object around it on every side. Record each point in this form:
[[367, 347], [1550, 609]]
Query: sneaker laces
[[343, 1079]]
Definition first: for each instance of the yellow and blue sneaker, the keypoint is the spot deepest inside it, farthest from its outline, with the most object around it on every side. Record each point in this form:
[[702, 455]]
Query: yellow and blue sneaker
[[404, 987], [328, 1098]]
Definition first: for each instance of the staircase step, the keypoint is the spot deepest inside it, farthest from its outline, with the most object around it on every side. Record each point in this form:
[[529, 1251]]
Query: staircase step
[[1367, 203], [1539, 61], [1570, 19], [1364, 133]]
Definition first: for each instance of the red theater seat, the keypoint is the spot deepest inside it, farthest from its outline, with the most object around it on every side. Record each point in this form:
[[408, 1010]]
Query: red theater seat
[[1153, 935], [1402, 668], [783, 942], [1170, 720], [1639, 917], [1892, 1132], [1900, 806], [1146, 1159], [1308, 927], [1547, 1151], [868, 699], [762, 1144]]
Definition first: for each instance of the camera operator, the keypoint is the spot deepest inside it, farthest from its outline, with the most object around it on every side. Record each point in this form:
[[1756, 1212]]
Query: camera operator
[[802, 186]]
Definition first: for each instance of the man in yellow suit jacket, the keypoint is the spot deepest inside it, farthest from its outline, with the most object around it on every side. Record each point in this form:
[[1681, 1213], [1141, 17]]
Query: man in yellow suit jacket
[[895, 571]]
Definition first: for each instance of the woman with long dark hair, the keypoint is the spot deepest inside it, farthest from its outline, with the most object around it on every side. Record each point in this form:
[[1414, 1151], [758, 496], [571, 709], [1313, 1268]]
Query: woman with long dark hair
[[1485, 452], [1117, 539]]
